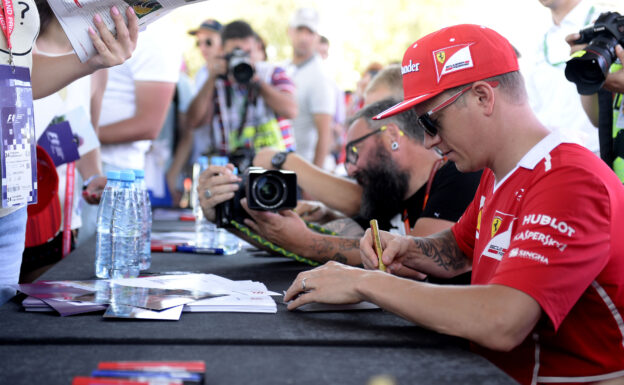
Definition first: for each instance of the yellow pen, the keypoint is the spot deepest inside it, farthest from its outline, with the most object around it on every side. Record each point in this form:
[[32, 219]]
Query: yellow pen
[[377, 243]]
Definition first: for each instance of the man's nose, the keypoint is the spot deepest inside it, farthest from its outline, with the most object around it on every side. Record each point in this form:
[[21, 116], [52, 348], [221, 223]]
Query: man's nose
[[431, 141]]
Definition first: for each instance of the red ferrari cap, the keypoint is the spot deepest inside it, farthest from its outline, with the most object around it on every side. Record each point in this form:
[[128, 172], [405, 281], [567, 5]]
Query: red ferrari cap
[[451, 57]]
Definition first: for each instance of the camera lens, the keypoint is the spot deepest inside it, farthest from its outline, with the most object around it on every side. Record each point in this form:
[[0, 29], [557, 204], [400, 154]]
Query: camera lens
[[269, 191], [589, 71], [243, 72]]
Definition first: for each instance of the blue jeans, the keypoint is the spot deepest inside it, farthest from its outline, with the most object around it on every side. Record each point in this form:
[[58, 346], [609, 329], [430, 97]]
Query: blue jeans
[[12, 240]]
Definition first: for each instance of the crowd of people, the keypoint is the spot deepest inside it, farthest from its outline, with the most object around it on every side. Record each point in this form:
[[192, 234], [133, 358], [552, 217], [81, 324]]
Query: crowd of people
[[499, 195]]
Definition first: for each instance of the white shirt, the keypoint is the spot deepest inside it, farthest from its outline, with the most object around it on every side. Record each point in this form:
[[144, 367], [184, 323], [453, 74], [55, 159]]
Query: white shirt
[[155, 59], [554, 99], [315, 95]]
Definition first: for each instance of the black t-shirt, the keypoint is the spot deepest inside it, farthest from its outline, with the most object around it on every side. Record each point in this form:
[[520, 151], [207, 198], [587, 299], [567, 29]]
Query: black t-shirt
[[451, 192]]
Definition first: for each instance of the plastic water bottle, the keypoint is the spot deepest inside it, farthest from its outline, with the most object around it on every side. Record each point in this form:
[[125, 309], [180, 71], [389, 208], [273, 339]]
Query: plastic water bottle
[[221, 238], [125, 229], [145, 220], [204, 230], [103, 242]]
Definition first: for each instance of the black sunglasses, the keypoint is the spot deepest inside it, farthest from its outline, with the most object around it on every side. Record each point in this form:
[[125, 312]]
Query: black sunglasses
[[207, 42], [351, 149], [425, 121]]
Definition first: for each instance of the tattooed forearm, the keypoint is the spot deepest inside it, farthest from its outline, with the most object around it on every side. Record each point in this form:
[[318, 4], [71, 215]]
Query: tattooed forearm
[[346, 227], [343, 250], [443, 251]]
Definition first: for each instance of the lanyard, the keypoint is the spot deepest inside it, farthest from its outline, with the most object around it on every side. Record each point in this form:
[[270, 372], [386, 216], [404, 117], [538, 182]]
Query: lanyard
[[7, 23], [434, 169], [69, 207]]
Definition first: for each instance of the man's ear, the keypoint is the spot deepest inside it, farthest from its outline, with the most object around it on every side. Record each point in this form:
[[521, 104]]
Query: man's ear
[[394, 132], [485, 96]]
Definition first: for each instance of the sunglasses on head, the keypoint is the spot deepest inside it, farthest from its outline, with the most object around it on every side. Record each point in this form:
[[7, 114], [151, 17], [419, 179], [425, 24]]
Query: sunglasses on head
[[206, 42], [428, 125]]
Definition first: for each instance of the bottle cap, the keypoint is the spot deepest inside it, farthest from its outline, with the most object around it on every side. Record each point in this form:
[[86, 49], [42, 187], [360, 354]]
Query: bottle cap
[[219, 160], [127, 176], [112, 175]]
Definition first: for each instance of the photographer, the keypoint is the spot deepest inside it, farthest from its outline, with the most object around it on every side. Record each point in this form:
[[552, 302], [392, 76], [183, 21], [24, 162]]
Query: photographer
[[610, 123], [242, 99]]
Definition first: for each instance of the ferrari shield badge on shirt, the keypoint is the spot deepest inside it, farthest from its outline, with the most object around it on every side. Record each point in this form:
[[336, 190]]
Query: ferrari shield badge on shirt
[[17, 133]]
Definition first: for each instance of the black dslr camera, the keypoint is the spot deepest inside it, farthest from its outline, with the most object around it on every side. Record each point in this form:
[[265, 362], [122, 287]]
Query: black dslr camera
[[266, 190], [239, 65], [589, 69]]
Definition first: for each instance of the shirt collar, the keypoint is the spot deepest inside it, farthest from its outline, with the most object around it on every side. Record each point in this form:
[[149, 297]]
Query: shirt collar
[[540, 151]]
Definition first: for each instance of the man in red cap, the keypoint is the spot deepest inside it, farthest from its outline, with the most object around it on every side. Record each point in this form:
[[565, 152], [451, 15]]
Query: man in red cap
[[542, 235]]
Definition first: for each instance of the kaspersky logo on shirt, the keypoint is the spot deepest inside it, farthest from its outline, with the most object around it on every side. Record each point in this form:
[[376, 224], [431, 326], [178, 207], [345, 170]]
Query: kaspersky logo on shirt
[[452, 59]]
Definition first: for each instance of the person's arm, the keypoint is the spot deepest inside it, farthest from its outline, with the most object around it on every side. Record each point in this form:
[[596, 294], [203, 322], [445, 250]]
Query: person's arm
[[282, 102], [286, 229], [615, 80], [494, 316], [201, 109], [152, 104], [98, 86], [335, 192], [180, 157], [90, 165], [322, 122], [590, 105], [51, 73]]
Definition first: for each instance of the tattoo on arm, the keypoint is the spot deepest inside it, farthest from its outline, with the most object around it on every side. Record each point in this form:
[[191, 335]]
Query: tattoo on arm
[[330, 248], [346, 227], [444, 251]]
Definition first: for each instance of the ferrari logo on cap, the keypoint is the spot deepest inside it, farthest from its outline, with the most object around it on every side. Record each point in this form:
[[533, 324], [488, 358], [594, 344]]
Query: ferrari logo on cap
[[451, 59], [496, 223]]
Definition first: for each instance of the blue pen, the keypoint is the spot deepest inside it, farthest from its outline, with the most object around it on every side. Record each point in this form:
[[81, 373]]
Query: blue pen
[[199, 250]]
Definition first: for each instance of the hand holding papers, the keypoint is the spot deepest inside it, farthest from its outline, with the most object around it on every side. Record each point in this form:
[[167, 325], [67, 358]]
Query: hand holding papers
[[76, 17]]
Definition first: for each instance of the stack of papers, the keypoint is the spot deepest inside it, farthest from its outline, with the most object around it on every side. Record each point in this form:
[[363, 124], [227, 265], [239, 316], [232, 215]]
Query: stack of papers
[[156, 297]]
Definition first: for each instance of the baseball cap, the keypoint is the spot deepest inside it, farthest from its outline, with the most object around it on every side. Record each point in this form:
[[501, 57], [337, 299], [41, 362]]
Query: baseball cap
[[451, 57], [306, 17], [209, 24]]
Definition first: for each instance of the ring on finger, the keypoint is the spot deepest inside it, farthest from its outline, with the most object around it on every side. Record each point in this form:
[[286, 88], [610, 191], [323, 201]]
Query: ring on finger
[[207, 194], [303, 285]]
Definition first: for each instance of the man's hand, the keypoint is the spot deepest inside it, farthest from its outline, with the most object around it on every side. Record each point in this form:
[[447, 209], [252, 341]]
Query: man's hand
[[217, 184], [394, 256], [263, 157], [312, 211], [615, 80], [332, 283], [114, 51], [283, 228], [93, 192]]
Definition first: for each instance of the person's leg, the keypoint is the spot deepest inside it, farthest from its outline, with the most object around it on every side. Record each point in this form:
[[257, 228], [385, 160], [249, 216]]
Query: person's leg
[[12, 240]]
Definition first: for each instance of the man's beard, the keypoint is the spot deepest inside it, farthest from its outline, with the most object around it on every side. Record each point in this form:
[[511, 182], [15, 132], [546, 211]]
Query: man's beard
[[384, 187]]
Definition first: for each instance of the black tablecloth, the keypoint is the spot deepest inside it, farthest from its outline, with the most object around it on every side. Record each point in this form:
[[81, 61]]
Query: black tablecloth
[[239, 348]]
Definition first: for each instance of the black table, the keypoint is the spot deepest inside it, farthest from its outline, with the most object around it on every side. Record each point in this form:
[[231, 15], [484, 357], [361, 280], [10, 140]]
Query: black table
[[239, 348]]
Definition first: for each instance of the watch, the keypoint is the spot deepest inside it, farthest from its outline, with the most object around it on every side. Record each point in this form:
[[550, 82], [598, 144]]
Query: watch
[[278, 159]]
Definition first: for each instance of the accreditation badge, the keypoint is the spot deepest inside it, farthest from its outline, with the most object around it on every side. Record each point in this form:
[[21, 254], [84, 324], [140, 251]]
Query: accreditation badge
[[18, 154]]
